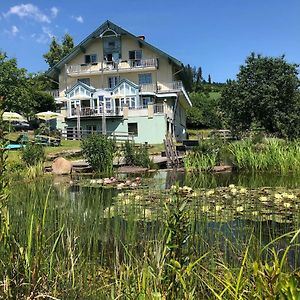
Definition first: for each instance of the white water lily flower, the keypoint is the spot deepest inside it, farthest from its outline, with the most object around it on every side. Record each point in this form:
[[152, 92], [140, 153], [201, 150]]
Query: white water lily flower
[[233, 191], [205, 208], [263, 199], [243, 191], [219, 207], [287, 204], [239, 208], [210, 192]]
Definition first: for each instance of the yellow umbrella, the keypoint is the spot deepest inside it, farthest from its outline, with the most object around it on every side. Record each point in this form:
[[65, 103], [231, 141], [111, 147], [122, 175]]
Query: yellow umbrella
[[48, 115], [12, 116]]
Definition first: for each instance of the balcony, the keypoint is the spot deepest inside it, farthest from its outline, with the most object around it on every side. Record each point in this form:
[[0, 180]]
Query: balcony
[[139, 111], [112, 67], [174, 86]]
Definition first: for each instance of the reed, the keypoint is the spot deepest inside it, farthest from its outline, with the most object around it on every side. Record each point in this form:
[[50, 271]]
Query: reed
[[274, 156], [69, 242]]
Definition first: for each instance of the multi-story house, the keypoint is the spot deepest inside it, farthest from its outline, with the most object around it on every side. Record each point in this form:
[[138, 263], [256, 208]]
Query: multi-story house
[[114, 81]]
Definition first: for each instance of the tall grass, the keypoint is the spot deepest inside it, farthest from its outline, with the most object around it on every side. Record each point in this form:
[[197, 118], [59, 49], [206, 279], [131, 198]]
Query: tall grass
[[273, 155], [142, 244]]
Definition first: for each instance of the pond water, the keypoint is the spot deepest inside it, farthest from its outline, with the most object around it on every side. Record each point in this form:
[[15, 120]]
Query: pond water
[[105, 220]]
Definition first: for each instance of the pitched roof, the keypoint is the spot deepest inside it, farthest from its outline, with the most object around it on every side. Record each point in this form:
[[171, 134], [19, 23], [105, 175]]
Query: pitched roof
[[53, 72]]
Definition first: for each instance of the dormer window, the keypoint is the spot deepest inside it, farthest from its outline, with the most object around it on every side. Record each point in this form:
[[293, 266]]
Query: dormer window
[[90, 58]]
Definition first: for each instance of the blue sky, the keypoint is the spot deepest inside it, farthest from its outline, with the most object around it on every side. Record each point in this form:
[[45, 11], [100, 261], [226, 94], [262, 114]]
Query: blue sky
[[214, 34]]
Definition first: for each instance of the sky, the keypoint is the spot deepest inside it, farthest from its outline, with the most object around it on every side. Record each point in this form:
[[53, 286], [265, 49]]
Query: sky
[[217, 35]]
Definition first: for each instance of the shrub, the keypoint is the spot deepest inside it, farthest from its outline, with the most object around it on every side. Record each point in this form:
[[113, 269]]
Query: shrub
[[33, 154], [99, 151]]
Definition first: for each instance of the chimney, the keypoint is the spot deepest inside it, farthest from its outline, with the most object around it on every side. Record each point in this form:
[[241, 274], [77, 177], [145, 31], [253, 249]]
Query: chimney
[[141, 37]]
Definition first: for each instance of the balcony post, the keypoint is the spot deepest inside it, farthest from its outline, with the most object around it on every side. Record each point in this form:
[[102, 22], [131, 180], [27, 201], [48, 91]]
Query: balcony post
[[150, 111]]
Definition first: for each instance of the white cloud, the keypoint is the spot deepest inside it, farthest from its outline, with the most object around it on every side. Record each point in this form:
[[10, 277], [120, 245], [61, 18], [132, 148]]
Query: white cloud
[[43, 38], [54, 11], [28, 10], [79, 19], [13, 31], [47, 31]]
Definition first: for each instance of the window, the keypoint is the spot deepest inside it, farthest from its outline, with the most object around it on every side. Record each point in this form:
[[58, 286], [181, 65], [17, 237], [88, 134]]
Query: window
[[145, 78], [91, 128], [85, 81], [135, 57], [146, 101], [113, 81], [135, 54], [133, 128], [90, 58]]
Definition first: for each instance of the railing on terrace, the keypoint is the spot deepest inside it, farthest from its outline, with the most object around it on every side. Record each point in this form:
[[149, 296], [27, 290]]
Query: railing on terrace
[[161, 87], [73, 134], [88, 111], [54, 93], [98, 67], [158, 108]]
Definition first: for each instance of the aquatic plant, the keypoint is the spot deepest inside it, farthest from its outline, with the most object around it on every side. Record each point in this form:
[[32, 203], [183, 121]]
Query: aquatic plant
[[99, 151], [273, 155]]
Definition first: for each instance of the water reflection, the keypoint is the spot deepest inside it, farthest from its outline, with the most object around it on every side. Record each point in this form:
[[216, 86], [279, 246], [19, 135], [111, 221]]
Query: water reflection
[[210, 180]]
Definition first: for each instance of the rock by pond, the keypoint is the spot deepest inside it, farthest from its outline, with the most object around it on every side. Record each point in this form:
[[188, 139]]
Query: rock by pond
[[61, 166]]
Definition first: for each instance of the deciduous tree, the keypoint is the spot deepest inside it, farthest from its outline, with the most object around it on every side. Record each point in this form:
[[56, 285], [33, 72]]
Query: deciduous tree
[[265, 93]]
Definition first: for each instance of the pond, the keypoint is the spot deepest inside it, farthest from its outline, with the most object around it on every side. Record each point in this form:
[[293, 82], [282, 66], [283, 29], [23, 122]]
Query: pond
[[102, 227]]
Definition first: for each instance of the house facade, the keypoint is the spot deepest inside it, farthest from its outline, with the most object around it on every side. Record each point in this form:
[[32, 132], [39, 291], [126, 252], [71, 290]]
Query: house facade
[[114, 81]]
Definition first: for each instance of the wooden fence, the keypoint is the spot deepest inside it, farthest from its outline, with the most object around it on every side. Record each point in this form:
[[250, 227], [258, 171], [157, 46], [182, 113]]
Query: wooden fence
[[73, 134]]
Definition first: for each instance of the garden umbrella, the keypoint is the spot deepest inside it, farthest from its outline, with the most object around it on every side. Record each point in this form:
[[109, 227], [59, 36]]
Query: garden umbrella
[[12, 116], [48, 115]]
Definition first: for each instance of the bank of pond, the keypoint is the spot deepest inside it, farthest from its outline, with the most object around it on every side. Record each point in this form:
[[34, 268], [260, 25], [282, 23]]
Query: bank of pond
[[173, 235]]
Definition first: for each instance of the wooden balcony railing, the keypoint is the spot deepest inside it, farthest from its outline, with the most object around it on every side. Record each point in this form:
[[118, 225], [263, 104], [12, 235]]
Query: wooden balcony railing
[[107, 66]]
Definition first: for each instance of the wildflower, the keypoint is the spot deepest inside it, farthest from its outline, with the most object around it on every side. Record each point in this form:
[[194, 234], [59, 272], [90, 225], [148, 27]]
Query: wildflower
[[194, 194], [137, 197], [231, 186], [239, 208], [121, 195], [291, 196], [210, 192], [263, 199], [255, 213], [287, 204], [284, 195]]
